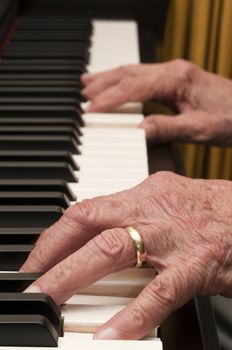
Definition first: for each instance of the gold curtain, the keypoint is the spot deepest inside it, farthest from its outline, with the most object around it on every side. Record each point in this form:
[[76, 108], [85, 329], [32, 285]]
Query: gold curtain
[[200, 31]]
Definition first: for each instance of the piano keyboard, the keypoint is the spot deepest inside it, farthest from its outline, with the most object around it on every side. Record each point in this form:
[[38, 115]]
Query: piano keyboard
[[52, 155]]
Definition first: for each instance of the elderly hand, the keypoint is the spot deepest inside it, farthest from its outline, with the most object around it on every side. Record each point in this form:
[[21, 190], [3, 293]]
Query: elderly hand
[[186, 226], [204, 100]]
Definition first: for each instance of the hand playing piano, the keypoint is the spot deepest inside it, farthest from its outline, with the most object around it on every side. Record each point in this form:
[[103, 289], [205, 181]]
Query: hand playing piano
[[186, 226], [203, 100]]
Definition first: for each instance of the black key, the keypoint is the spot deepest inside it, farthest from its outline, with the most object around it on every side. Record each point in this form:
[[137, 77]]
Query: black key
[[8, 53], [41, 45], [80, 18], [38, 156], [17, 235], [16, 282], [41, 83], [27, 330], [83, 17], [40, 131], [29, 216], [40, 92], [32, 304], [41, 69], [33, 91], [37, 185], [55, 25], [11, 121], [39, 35], [43, 111], [37, 170], [12, 256], [33, 100], [40, 77], [42, 61], [34, 198], [42, 20], [39, 143]]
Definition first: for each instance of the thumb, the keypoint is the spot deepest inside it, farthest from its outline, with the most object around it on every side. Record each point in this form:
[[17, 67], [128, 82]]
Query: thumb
[[188, 127], [164, 294]]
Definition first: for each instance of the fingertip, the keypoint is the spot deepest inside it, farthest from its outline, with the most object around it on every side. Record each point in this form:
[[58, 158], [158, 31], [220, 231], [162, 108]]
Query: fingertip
[[96, 108], [86, 78], [150, 130], [107, 334], [33, 289], [90, 109], [84, 92], [143, 124]]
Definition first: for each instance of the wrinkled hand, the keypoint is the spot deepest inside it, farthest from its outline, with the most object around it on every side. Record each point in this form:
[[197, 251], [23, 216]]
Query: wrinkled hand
[[204, 100], [187, 229]]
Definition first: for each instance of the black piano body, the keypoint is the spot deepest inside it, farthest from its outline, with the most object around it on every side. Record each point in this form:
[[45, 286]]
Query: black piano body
[[192, 326]]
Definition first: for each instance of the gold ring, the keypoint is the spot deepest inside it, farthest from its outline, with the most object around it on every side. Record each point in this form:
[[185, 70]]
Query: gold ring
[[139, 246]]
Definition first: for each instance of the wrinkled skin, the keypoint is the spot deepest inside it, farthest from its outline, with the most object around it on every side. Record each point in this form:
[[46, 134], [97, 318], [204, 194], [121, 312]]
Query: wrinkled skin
[[186, 226], [203, 100]]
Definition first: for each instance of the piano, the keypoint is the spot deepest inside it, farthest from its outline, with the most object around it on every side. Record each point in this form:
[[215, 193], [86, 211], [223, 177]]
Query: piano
[[52, 155]]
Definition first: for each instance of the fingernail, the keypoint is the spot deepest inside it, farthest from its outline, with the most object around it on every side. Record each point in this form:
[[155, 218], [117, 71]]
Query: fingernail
[[107, 334], [89, 109], [33, 289]]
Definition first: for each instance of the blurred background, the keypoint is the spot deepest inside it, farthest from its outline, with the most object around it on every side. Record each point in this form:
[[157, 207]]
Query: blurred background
[[200, 31]]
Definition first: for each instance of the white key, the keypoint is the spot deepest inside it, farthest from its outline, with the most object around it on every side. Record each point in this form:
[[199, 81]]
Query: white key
[[111, 133], [112, 120], [110, 173], [127, 283], [111, 160], [126, 108], [85, 342], [114, 43], [74, 341], [106, 156], [87, 313]]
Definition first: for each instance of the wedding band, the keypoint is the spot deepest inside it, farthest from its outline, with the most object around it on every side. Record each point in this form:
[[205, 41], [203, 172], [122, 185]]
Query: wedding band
[[139, 246]]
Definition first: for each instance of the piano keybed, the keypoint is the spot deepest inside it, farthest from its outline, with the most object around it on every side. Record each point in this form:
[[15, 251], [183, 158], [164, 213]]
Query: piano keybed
[[52, 155]]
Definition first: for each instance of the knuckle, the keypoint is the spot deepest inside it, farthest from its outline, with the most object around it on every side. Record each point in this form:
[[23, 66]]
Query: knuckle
[[84, 212], [182, 65], [110, 244], [139, 317], [124, 69], [121, 70], [36, 260], [164, 176], [185, 75], [163, 293], [125, 85], [204, 131]]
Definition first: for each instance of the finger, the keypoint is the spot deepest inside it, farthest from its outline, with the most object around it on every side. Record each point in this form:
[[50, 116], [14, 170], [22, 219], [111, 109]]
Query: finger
[[160, 82], [118, 72], [188, 127], [78, 225], [113, 97], [87, 78], [108, 252], [99, 85], [108, 75], [163, 295]]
